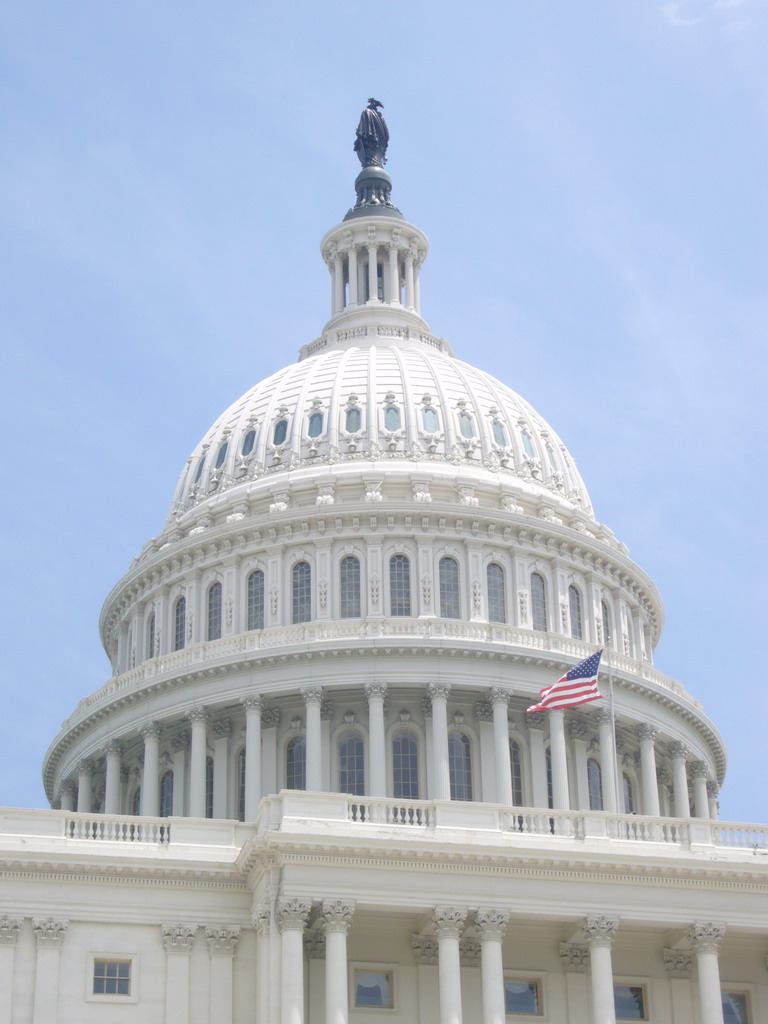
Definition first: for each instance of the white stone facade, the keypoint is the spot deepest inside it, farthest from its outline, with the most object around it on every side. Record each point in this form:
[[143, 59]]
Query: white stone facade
[[310, 792]]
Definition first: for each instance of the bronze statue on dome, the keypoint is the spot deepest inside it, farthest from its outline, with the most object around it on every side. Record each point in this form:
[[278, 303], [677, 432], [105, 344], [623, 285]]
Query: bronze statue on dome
[[372, 136]]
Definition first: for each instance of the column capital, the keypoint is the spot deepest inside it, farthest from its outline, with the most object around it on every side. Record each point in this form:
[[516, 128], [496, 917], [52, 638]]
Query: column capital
[[223, 727], [677, 962], [483, 711], [602, 716], [270, 718], [492, 924], [222, 939], [449, 921], [9, 930], [499, 695], [113, 748], [68, 786], [424, 949], [535, 720], [438, 690], [698, 770], [178, 938], [677, 749], [85, 767], [574, 957], [151, 729], [376, 689], [600, 930], [337, 916], [198, 714], [253, 703], [314, 944], [261, 919], [293, 914], [181, 740], [578, 729], [706, 936], [645, 731], [312, 694], [712, 789], [49, 931]]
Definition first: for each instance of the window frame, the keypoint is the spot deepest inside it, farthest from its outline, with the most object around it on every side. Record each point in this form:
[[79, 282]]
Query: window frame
[[165, 812], [596, 795], [531, 979], [575, 612], [739, 989], [402, 731], [544, 603], [351, 588], [180, 602], [301, 605], [112, 997], [444, 597], [368, 967], [469, 772], [252, 600], [293, 740], [405, 583], [214, 607], [498, 598], [345, 735], [641, 983]]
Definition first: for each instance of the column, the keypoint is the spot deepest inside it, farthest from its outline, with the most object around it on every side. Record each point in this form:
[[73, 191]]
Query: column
[[600, 932], [113, 752], [677, 964], [178, 940], [150, 785], [67, 792], [49, 938], [373, 289], [180, 745], [313, 699], [222, 945], [438, 694], [417, 284], [699, 774], [9, 933], [712, 794], [336, 919], [607, 758], [535, 723], [560, 797], [491, 925], [353, 281], [678, 753], [338, 282], [705, 938], [270, 719], [376, 691], [264, 1010], [646, 734], [449, 923], [394, 275], [197, 755], [499, 698], [578, 732], [221, 730], [85, 786], [409, 289], [292, 915], [574, 958], [253, 708]]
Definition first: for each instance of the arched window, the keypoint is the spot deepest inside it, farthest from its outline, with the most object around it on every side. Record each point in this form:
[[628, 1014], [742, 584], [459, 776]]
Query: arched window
[[516, 765], [574, 604], [255, 600], [528, 445], [550, 783], [151, 636], [222, 455], [241, 785], [296, 763], [629, 794], [552, 458], [248, 442], [399, 585], [136, 801], [466, 425], [405, 765], [280, 432], [301, 595], [538, 602], [499, 434], [209, 787], [351, 772], [606, 617], [180, 624], [349, 587], [353, 420], [391, 418], [460, 766], [430, 420], [595, 782], [450, 604], [166, 794], [199, 473], [214, 611], [497, 601], [315, 427]]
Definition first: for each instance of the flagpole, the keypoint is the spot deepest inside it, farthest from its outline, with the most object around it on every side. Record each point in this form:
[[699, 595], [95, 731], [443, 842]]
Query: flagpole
[[614, 752]]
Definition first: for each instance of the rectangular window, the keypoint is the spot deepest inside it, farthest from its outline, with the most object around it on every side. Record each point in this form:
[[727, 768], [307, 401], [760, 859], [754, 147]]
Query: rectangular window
[[111, 978], [630, 1002], [374, 988], [736, 1008], [521, 995]]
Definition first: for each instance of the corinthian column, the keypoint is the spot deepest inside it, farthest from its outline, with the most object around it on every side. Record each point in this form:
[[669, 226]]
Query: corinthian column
[[9, 933], [252, 706], [292, 915], [600, 932], [376, 692], [222, 945], [607, 759], [197, 756], [178, 940], [499, 698], [561, 799], [313, 699], [114, 752], [449, 923], [438, 693], [678, 753], [700, 774], [492, 924], [85, 786], [337, 917], [705, 938], [150, 784], [646, 734]]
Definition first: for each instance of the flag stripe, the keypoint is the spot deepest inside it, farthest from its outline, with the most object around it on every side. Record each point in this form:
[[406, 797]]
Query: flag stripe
[[577, 686]]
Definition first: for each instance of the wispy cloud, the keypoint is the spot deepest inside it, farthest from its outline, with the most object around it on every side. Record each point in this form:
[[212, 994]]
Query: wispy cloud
[[687, 13]]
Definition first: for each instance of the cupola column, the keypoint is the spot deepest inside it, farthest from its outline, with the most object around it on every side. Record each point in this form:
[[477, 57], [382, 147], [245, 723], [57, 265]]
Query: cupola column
[[313, 698], [700, 774], [409, 288], [336, 919], [678, 753], [67, 796], [150, 785], [292, 915], [376, 692], [646, 734], [604, 721], [491, 925], [197, 755], [449, 924], [338, 282], [353, 280], [253, 708], [705, 938], [560, 796], [113, 752], [85, 786], [499, 698], [394, 275], [438, 694], [600, 932], [373, 278]]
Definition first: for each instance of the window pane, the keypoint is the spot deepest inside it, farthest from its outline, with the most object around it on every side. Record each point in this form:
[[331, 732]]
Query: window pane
[[296, 763], [606, 623], [255, 600], [353, 421], [349, 588], [136, 802], [351, 778], [405, 766], [460, 766], [112, 977], [200, 467], [595, 780], [430, 420], [574, 602], [466, 425], [399, 585], [629, 796], [166, 795], [214, 612], [280, 432], [248, 442], [629, 1001], [497, 604], [516, 764], [735, 1008], [538, 603], [373, 988], [391, 418], [449, 589], [241, 785], [550, 785], [528, 445], [302, 593], [221, 456], [521, 996], [209, 787], [499, 434], [315, 428], [151, 637], [179, 624]]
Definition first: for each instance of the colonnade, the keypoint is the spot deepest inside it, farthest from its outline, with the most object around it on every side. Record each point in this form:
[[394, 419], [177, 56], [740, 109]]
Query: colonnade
[[358, 267]]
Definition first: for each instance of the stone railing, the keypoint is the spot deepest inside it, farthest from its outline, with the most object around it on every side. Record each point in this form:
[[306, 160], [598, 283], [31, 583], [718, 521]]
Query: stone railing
[[118, 829]]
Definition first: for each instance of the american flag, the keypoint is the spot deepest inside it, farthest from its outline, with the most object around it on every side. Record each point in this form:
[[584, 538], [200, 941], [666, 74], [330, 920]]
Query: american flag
[[576, 687]]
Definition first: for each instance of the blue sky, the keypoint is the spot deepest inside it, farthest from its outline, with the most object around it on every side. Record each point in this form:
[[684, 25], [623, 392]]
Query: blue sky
[[591, 177]]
